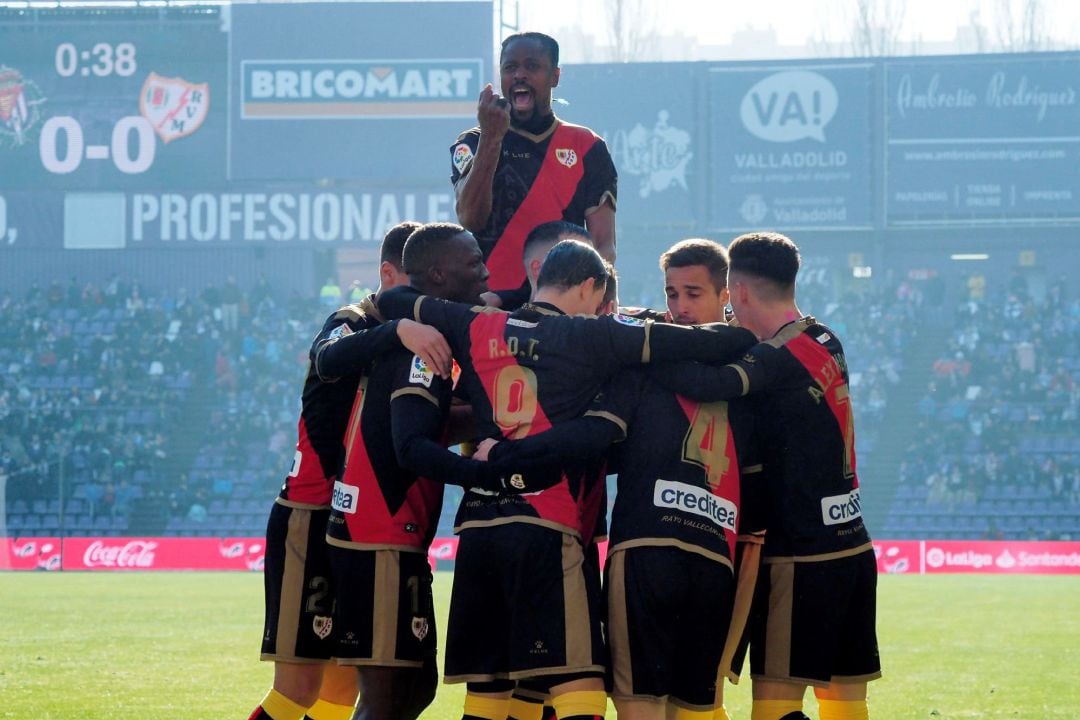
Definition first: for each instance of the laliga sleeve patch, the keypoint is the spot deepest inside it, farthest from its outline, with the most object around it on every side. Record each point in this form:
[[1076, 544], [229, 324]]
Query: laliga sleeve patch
[[420, 373], [627, 320], [340, 331], [463, 155]]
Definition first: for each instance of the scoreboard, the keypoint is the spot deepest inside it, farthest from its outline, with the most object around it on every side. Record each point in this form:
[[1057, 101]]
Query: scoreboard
[[113, 101], [318, 122]]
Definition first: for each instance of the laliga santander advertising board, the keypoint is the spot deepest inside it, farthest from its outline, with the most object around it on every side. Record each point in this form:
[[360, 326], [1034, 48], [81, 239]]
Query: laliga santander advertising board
[[926, 557]]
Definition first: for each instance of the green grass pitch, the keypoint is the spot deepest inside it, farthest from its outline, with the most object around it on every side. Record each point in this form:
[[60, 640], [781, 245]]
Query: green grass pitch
[[157, 646]]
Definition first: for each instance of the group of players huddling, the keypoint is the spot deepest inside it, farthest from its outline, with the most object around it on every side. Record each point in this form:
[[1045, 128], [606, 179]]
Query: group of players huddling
[[736, 526]]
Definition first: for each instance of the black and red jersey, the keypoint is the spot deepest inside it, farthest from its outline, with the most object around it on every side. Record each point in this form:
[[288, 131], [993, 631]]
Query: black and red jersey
[[799, 383], [682, 468], [339, 355], [525, 370], [560, 174], [377, 503]]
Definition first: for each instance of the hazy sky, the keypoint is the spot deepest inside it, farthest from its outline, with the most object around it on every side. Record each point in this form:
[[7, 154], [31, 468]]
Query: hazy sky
[[713, 21]]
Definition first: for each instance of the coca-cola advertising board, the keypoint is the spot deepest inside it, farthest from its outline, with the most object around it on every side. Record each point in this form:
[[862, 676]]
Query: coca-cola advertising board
[[163, 553]]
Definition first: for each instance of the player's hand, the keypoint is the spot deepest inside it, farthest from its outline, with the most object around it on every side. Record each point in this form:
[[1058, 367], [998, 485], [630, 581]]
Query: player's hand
[[493, 113], [491, 299], [483, 448], [428, 343]]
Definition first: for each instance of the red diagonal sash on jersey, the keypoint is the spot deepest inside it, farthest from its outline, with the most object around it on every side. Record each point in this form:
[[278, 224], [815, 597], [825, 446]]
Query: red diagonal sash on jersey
[[550, 194], [516, 409], [823, 367], [726, 474]]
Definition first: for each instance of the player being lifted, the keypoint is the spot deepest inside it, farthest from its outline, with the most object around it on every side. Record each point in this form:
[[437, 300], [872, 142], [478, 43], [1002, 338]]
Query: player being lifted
[[520, 604], [522, 166]]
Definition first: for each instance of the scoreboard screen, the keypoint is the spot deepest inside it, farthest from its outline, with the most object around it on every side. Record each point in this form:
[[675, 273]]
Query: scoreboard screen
[[113, 101], [200, 126]]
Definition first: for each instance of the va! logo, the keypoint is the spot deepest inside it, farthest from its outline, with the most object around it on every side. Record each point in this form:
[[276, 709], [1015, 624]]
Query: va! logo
[[174, 106], [20, 107], [789, 106]]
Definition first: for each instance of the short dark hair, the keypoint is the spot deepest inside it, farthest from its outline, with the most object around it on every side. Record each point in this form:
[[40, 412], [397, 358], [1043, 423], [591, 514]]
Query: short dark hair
[[570, 263], [394, 242], [424, 246], [549, 232], [766, 255], [699, 251], [547, 41]]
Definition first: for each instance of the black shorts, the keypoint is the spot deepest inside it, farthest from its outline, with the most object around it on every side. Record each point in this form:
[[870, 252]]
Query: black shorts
[[521, 606], [814, 621], [383, 613], [668, 615], [299, 587]]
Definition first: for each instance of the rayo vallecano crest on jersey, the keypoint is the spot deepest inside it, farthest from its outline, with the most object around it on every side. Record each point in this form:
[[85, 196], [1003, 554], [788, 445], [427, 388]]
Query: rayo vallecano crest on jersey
[[174, 106]]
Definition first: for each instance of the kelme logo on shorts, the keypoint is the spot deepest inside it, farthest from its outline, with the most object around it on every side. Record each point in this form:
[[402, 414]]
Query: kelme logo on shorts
[[379, 89]]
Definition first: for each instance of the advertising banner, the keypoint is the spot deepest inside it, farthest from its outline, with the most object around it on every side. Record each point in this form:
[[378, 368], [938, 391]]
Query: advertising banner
[[791, 147], [982, 140], [32, 553], [894, 557], [655, 140], [163, 553], [326, 90]]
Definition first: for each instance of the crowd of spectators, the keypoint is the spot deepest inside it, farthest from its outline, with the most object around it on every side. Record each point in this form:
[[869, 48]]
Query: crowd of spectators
[[995, 444]]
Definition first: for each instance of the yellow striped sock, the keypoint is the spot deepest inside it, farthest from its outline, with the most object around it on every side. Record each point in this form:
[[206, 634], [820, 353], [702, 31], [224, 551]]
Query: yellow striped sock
[[280, 707], [323, 710], [486, 707], [587, 703]]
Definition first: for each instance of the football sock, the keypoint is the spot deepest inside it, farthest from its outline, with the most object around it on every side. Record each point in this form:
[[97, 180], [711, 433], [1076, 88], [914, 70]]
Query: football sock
[[580, 705], [843, 709], [485, 708], [276, 706], [720, 713], [774, 709], [323, 710], [684, 714], [522, 708]]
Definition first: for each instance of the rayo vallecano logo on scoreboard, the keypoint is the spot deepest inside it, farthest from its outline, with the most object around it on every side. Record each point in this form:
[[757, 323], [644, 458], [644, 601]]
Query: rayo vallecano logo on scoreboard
[[174, 106], [376, 89]]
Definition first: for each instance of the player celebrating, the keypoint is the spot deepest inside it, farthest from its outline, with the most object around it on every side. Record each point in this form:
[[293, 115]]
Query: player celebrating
[[815, 605], [298, 583], [520, 605], [383, 516], [523, 166]]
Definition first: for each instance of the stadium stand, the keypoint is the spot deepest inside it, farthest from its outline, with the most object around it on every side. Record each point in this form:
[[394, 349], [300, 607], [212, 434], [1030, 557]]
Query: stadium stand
[[126, 411]]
